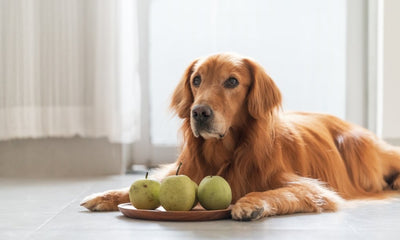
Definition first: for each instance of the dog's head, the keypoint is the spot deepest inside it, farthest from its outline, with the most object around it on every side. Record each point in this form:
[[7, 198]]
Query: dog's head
[[223, 91]]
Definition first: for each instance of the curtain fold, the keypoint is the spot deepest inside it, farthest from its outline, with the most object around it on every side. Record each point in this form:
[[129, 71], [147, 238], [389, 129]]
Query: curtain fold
[[69, 67]]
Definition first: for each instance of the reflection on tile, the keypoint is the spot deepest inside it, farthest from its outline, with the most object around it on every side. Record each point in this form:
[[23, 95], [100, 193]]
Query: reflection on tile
[[198, 234], [14, 234], [20, 220]]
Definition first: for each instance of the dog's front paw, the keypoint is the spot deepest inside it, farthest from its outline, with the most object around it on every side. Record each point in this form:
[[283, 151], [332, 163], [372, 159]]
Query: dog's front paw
[[105, 201], [249, 208]]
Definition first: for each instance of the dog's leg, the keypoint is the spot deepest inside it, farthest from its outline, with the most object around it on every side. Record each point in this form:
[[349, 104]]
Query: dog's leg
[[304, 195], [390, 157], [106, 201], [395, 185]]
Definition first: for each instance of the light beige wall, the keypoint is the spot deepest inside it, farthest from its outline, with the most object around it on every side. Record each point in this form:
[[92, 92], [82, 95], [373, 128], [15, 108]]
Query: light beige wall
[[391, 70], [61, 157]]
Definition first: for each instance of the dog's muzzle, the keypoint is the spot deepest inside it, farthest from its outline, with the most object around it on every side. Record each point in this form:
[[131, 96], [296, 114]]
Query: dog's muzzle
[[202, 114], [202, 117], [203, 123]]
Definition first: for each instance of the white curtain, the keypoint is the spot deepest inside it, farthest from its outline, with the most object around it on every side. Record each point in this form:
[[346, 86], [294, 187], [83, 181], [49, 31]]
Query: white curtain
[[69, 67]]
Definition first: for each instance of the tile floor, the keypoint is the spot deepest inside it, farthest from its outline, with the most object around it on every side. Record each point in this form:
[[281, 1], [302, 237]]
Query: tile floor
[[49, 209]]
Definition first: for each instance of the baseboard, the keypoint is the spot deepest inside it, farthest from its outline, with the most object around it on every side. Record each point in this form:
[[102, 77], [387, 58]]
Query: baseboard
[[393, 141], [61, 157]]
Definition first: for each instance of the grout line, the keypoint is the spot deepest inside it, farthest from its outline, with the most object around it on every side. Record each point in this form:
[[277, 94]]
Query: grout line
[[61, 210]]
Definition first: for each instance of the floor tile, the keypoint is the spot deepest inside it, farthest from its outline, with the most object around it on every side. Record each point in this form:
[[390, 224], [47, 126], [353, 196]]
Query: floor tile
[[49, 209]]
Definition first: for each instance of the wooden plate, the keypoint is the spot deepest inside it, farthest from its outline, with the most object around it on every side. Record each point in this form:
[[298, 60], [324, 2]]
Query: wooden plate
[[196, 214]]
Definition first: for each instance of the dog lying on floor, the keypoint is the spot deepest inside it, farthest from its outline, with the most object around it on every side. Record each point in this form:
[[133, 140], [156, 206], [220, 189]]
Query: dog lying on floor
[[275, 162]]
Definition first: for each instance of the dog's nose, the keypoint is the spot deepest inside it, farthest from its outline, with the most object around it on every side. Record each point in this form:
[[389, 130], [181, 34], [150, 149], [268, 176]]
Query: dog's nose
[[202, 113]]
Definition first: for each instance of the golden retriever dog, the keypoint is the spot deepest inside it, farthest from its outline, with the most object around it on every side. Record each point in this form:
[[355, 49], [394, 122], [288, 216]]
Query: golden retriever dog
[[276, 162]]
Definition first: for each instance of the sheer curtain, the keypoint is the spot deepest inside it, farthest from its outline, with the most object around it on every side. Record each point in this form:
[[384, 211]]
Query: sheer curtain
[[69, 67]]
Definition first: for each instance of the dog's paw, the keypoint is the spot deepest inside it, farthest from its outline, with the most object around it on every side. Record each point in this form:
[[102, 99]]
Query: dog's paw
[[105, 201], [396, 183], [99, 202], [249, 208]]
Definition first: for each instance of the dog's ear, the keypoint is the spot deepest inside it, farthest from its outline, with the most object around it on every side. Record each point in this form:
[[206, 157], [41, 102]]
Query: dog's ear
[[182, 98], [263, 94]]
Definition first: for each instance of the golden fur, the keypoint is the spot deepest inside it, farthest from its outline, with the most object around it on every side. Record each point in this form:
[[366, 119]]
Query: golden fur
[[275, 162]]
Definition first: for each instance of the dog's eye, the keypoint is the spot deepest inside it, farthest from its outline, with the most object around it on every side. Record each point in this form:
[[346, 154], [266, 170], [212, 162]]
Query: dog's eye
[[231, 83], [196, 81]]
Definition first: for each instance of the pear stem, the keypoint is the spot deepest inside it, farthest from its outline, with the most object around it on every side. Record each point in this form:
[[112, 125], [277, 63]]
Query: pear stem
[[179, 167], [147, 174]]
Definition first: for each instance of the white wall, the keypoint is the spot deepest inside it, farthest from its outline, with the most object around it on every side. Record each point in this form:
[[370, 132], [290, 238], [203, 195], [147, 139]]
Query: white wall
[[390, 121], [301, 44]]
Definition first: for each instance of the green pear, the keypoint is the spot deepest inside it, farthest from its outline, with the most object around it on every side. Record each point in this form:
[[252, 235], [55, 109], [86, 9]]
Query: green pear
[[177, 192], [214, 193], [144, 194]]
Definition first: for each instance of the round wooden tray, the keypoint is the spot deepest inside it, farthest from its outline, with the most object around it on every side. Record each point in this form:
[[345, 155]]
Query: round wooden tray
[[196, 214]]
